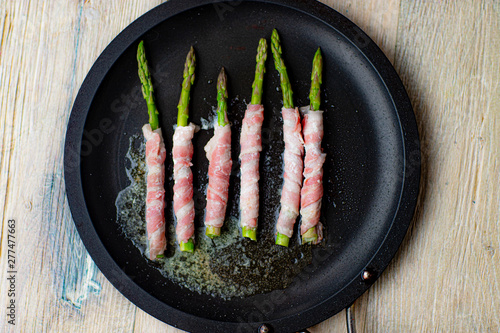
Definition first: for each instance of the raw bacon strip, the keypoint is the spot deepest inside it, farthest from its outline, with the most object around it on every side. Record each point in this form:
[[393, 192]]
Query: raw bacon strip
[[251, 146], [294, 151], [218, 151], [182, 153], [155, 199], [312, 190]]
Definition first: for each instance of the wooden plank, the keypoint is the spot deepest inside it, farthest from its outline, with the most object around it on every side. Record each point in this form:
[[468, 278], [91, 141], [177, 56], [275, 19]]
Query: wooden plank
[[377, 18], [446, 276], [47, 49]]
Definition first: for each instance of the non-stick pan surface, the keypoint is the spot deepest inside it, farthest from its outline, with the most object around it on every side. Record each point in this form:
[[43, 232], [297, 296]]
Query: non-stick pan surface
[[371, 140]]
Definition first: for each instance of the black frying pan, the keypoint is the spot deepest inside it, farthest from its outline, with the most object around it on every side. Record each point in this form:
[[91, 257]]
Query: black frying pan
[[371, 174]]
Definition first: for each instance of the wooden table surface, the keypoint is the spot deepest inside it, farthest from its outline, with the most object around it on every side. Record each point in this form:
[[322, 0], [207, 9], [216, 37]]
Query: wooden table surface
[[446, 276]]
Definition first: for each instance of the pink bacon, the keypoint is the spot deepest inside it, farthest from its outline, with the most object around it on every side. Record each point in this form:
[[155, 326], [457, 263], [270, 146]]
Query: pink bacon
[[218, 151], [251, 146], [155, 200], [312, 190], [182, 153], [294, 151]]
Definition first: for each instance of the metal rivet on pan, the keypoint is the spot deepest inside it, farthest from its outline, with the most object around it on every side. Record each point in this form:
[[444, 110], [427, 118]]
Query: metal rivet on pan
[[367, 275], [263, 329]]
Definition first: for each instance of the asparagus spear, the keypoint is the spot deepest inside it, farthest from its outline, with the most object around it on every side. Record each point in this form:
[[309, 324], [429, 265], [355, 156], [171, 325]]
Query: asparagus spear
[[183, 107], [260, 69], [222, 98], [286, 88], [315, 101], [183, 115], [147, 91], [279, 64], [212, 231], [147, 86], [316, 80]]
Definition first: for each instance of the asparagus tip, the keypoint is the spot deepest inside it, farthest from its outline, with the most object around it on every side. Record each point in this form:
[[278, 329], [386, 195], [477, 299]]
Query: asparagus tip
[[188, 80], [147, 85], [262, 48], [222, 81], [262, 53], [222, 98], [275, 43], [318, 66], [316, 80], [260, 69], [190, 64], [279, 64]]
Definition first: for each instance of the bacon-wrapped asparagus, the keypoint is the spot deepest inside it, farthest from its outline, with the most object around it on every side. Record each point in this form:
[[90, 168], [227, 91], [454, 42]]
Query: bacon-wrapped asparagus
[[155, 157], [218, 151], [294, 151], [312, 189], [251, 146], [182, 153]]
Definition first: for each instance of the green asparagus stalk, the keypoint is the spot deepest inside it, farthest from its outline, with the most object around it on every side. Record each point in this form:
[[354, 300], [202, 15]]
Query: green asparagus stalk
[[279, 64], [286, 88], [310, 236], [147, 86], [250, 233], [187, 246], [222, 98], [316, 80], [183, 107], [212, 231], [183, 115], [260, 69], [282, 240]]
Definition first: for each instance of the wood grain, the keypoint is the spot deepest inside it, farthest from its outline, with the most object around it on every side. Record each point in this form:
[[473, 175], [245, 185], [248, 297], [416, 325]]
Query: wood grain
[[377, 18], [448, 58], [446, 276], [42, 67]]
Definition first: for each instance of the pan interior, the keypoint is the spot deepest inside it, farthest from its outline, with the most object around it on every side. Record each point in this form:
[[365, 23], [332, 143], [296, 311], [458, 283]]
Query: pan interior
[[363, 173]]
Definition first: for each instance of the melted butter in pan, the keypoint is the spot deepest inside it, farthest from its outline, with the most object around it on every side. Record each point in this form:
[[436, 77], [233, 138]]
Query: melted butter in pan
[[228, 266]]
